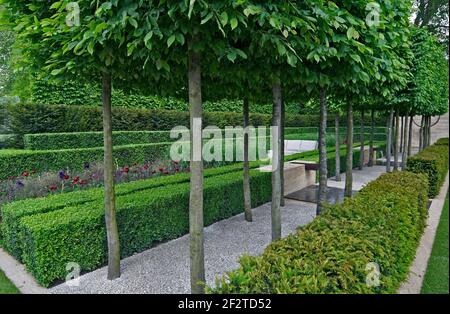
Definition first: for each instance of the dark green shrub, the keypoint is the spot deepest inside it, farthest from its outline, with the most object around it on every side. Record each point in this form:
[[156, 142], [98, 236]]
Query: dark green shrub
[[48, 141], [382, 224], [432, 161], [77, 233], [14, 162]]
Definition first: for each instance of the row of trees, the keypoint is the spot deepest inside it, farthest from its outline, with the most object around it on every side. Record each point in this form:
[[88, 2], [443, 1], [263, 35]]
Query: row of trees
[[348, 53]]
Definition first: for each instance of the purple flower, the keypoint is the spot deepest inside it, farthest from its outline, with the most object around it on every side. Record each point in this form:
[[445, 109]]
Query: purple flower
[[20, 184], [62, 174]]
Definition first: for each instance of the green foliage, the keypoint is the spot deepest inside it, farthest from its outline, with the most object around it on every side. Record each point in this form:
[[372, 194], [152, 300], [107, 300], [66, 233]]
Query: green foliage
[[382, 224], [31, 119], [14, 162], [78, 94], [77, 233], [58, 141], [428, 90], [432, 161]]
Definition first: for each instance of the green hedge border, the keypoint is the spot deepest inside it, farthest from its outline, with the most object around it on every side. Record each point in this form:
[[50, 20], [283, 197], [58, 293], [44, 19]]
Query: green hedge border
[[382, 224], [432, 161]]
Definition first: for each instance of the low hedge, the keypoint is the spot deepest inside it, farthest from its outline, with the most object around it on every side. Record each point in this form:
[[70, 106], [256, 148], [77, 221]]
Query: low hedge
[[14, 162], [77, 233], [382, 224], [11, 213], [432, 161], [75, 140], [51, 141]]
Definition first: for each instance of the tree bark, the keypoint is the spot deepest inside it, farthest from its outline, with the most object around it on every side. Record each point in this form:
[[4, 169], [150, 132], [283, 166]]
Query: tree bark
[[405, 142], [410, 135], [349, 161], [421, 133], [276, 180], [246, 179], [337, 148], [282, 200], [389, 141], [371, 139], [361, 140], [323, 171], [402, 130], [197, 258], [397, 131], [112, 231]]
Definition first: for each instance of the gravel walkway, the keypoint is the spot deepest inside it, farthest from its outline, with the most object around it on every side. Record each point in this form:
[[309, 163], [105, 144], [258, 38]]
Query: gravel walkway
[[165, 268]]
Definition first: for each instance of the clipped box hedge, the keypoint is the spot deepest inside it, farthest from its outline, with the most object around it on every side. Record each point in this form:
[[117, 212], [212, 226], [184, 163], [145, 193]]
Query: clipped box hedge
[[382, 224], [11, 213], [77, 233], [14, 162], [51, 141], [432, 161]]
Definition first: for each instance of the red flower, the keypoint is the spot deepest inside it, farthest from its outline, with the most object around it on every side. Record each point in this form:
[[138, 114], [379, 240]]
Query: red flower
[[126, 169], [146, 167], [166, 172], [53, 188], [83, 182], [25, 174], [76, 180], [66, 177], [161, 169]]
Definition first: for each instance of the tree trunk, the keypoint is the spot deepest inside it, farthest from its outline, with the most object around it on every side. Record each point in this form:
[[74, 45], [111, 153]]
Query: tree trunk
[[396, 138], [276, 147], [410, 135], [421, 134], [405, 142], [361, 140], [389, 140], [282, 201], [349, 161], [197, 258], [246, 179], [337, 148], [402, 130], [371, 139], [323, 171], [429, 131], [112, 231]]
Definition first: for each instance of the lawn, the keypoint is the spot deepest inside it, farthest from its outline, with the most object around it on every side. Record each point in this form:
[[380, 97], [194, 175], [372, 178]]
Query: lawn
[[6, 287], [436, 277]]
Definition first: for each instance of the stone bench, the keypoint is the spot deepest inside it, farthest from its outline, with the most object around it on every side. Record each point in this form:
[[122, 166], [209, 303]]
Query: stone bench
[[297, 146], [296, 177]]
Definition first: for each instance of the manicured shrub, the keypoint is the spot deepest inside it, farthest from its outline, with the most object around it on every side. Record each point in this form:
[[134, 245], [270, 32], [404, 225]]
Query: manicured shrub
[[14, 162], [432, 161], [10, 214], [77, 233], [49, 141], [382, 224], [34, 118]]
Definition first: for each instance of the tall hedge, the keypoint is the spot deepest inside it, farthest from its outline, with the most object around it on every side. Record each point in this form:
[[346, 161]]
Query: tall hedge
[[33, 118], [382, 224]]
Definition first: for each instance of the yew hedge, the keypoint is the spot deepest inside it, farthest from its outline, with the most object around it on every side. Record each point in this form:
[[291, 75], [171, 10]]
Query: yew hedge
[[382, 224]]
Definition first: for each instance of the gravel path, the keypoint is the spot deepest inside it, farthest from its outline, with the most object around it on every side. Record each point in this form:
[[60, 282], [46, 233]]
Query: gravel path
[[165, 268]]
